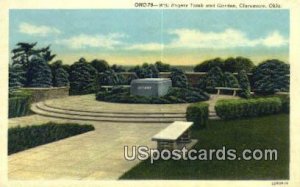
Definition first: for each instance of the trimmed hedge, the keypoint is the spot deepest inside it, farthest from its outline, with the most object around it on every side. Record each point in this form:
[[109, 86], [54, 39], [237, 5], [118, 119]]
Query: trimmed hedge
[[243, 108], [19, 104], [198, 114], [22, 138], [175, 95]]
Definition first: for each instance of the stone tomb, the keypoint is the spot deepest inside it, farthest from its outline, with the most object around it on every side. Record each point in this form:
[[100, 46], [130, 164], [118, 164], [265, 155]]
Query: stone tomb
[[155, 87]]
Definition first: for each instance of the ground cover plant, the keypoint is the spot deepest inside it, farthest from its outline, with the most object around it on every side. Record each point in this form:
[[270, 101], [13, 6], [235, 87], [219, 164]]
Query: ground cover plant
[[268, 132], [175, 95], [22, 138]]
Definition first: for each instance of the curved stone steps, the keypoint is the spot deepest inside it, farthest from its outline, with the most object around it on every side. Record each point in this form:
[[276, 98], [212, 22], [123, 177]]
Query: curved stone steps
[[107, 113], [64, 114]]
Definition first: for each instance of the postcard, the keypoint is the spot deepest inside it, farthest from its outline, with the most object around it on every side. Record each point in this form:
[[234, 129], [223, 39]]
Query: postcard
[[152, 93]]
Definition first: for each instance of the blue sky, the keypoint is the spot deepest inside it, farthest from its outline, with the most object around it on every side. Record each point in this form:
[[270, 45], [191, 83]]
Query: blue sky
[[131, 37]]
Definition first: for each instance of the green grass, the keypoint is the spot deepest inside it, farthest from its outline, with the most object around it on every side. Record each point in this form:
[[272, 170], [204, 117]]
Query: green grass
[[270, 132]]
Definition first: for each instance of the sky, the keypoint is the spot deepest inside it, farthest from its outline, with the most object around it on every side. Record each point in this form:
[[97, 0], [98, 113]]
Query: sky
[[178, 37]]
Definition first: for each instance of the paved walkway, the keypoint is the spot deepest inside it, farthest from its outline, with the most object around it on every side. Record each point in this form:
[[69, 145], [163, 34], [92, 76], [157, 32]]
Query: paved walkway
[[93, 155]]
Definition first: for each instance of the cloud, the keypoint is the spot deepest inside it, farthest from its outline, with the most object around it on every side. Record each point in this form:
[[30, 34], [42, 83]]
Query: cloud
[[230, 38], [38, 30], [146, 47], [83, 41]]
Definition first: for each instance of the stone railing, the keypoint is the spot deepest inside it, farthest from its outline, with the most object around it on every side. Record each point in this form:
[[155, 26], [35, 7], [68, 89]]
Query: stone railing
[[41, 94]]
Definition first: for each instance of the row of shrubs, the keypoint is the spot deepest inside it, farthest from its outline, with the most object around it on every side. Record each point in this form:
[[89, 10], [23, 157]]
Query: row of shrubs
[[22, 138], [243, 108], [19, 104], [175, 95]]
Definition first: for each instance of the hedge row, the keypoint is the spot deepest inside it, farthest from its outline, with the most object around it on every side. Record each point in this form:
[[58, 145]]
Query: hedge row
[[198, 114], [174, 95], [243, 108], [22, 138], [19, 104]]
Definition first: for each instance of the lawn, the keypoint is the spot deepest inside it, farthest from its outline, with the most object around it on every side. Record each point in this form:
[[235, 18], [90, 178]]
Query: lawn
[[270, 132]]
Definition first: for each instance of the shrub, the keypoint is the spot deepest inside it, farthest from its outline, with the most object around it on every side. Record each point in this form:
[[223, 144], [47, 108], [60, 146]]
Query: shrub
[[39, 73], [178, 78], [230, 80], [145, 71], [244, 84], [19, 104], [175, 95], [22, 138], [209, 64], [61, 78], [214, 78], [16, 77], [243, 108], [110, 77], [271, 76], [198, 114], [82, 78]]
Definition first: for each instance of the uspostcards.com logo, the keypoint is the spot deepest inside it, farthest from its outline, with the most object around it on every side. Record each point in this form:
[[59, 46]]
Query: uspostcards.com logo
[[144, 153]]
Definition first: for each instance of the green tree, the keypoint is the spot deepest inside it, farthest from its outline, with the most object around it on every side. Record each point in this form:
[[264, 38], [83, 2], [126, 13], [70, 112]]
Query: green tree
[[244, 84], [117, 68], [271, 76], [178, 78], [16, 74], [214, 78], [162, 67], [100, 65], [110, 77], [238, 64], [145, 71], [39, 73], [82, 78], [60, 78], [209, 64], [230, 80]]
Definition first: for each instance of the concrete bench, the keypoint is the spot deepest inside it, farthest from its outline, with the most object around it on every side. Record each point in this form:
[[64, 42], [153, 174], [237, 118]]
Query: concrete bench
[[107, 88], [175, 136], [227, 88]]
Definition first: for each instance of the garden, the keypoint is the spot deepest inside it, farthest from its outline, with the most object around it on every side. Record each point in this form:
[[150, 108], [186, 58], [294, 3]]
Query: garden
[[258, 117]]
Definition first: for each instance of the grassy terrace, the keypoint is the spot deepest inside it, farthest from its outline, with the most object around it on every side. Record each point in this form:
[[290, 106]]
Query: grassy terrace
[[271, 132]]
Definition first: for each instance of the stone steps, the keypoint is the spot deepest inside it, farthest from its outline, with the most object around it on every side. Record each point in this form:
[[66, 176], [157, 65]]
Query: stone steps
[[71, 115], [45, 109]]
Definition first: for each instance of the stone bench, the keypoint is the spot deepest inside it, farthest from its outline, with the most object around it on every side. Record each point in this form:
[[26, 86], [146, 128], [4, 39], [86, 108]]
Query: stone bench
[[107, 88], [227, 88], [175, 136]]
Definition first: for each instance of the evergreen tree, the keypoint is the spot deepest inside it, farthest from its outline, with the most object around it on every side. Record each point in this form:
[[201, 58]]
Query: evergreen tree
[[82, 77], [39, 73], [230, 80], [60, 77], [178, 78], [244, 84], [271, 76], [110, 77], [214, 78]]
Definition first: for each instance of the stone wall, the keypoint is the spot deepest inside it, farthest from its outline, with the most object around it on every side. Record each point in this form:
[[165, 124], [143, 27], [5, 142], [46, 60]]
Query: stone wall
[[41, 94]]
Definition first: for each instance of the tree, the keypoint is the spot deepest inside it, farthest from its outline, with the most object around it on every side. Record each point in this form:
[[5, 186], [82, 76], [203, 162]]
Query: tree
[[145, 71], [238, 64], [162, 67], [16, 76], [209, 64], [110, 77], [214, 78], [117, 68], [82, 77], [271, 76], [178, 78], [60, 77], [230, 80], [100, 65], [39, 73], [244, 84]]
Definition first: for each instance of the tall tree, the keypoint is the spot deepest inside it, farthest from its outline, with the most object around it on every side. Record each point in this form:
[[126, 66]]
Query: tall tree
[[244, 84]]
